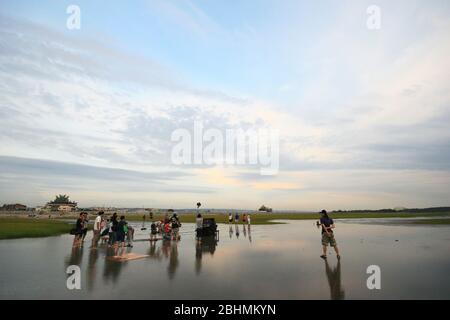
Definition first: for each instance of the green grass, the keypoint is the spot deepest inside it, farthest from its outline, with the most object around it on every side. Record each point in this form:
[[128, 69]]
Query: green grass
[[268, 218], [433, 221], [11, 228]]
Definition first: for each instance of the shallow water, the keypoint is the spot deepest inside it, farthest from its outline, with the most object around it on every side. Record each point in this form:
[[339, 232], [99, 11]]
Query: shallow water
[[261, 262]]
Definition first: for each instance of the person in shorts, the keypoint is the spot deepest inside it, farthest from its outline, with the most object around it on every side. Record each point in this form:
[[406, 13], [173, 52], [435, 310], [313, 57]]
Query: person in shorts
[[153, 231], [327, 225]]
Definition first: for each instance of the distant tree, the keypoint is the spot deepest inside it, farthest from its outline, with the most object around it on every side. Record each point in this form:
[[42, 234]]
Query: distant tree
[[62, 198]]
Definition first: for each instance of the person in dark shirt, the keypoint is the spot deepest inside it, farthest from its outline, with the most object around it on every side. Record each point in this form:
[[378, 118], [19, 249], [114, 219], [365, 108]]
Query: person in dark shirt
[[327, 225], [78, 230], [121, 226], [153, 231]]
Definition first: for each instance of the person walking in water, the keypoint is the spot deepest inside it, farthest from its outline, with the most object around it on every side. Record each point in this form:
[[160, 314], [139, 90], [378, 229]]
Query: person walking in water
[[78, 232], [97, 230], [327, 225]]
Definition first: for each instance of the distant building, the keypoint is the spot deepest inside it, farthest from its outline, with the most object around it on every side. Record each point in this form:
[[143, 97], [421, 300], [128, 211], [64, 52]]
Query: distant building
[[61, 204], [14, 207], [264, 208]]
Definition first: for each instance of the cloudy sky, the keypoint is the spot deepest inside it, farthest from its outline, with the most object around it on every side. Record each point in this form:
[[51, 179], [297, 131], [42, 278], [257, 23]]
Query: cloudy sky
[[363, 115]]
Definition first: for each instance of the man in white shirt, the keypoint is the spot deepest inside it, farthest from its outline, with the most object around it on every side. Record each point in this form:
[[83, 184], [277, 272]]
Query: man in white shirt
[[97, 229]]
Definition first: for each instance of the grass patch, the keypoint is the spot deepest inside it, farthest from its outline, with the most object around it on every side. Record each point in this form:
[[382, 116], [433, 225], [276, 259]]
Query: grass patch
[[268, 218], [433, 221], [12, 228]]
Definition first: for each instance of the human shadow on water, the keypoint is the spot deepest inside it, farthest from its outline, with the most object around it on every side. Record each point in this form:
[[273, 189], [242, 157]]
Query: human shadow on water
[[334, 281], [206, 245]]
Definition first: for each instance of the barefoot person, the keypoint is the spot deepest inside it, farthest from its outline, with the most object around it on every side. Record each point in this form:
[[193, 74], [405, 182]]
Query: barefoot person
[[97, 230], [78, 232], [327, 234]]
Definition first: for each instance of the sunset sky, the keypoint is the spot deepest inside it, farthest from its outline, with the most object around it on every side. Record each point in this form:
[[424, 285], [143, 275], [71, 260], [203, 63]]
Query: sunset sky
[[363, 115]]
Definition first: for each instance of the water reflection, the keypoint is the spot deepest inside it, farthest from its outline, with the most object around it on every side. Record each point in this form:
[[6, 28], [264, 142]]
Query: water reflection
[[236, 227], [111, 268], [173, 259], [76, 256], [206, 245], [334, 281], [92, 270], [154, 252], [231, 231]]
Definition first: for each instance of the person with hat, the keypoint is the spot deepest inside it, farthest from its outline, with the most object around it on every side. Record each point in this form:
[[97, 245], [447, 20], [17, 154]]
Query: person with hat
[[327, 225]]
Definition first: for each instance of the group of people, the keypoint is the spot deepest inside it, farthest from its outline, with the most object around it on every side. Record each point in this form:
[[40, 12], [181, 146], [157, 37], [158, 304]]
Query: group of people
[[116, 232], [245, 218], [168, 227]]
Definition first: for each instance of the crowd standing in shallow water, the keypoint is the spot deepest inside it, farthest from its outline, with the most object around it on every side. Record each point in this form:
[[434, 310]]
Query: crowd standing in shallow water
[[118, 233]]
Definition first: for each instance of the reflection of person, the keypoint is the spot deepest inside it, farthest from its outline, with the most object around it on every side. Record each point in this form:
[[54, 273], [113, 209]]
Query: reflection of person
[[91, 270], [173, 260], [207, 245], [327, 234], [231, 231], [237, 230], [245, 230], [334, 281], [249, 233]]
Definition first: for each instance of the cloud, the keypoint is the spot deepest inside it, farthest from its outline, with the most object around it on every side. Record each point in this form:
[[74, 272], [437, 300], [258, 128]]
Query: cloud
[[351, 101]]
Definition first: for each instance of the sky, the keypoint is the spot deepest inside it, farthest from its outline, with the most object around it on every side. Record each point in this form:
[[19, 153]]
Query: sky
[[362, 114]]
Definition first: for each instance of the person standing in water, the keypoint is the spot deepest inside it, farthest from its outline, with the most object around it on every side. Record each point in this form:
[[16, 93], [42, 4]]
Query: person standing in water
[[327, 234], [97, 230], [122, 230], [153, 231], [198, 226], [85, 226], [78, 231]]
